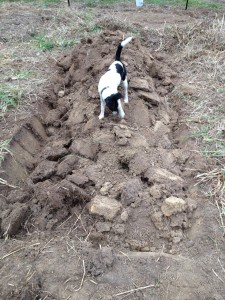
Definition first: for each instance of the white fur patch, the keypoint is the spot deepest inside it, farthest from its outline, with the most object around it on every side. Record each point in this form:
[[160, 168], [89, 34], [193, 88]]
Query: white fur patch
[[108, 85]]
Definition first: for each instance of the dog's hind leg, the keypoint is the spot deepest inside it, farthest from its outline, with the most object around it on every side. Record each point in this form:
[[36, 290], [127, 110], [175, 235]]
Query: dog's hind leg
[[102, 114], [125, 86]]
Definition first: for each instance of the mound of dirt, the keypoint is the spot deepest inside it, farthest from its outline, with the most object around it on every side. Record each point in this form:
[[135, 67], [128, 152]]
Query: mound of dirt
[[131, 180]]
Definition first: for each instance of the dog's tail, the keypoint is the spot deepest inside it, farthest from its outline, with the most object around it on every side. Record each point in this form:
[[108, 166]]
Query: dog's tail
[[121, 46]]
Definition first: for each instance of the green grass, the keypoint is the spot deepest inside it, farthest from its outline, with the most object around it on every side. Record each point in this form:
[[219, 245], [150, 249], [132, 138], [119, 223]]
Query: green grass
[[27, 1], [212, 144], [94, 3], [8, 99], [196, 3], [44, 43]]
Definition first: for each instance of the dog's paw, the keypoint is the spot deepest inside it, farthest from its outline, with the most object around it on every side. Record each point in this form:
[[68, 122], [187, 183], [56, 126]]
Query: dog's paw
[[122, 115], [126, 101], [101, 117], [114, 113]]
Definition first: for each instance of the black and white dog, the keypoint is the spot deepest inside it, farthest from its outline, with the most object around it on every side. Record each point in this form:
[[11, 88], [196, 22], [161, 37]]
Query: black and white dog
[[109, 83]]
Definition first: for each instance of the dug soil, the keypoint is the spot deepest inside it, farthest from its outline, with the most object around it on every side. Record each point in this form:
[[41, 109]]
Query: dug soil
[[108, 209]]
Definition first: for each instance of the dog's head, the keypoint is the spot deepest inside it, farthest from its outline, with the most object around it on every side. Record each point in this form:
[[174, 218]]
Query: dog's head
[[112, 101]]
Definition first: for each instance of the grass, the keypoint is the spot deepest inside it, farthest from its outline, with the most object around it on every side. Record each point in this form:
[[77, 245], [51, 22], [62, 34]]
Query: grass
[[196, 3], [199, 48], [43, 43], [46, 44], [32, 1], [94, 3], [4, 149], [9, 99]]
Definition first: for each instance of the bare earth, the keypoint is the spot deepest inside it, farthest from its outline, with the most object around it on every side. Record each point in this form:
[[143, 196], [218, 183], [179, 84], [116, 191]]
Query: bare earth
[[108, 209]]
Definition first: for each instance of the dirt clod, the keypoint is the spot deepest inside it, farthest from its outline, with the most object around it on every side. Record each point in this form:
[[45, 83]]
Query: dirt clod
[[11, 224], [43, 171], [131, 191], [104, 206], [173, 205]]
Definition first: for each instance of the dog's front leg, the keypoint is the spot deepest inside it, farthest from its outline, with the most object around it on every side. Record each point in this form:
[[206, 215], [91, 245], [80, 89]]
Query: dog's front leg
[[102, 114], [120, 110], [125, 86]]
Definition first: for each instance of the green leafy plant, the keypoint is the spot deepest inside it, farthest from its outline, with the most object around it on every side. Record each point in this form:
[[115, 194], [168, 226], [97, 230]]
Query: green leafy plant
[[43, 43]]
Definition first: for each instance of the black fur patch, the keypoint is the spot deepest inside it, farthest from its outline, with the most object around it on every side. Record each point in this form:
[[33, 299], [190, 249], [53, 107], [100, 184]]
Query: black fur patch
[[121, 70], [118, 52], [112, 101]]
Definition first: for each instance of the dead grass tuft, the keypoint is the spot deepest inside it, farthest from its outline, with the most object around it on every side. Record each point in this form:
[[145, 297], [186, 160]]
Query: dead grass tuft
[[116, 23]]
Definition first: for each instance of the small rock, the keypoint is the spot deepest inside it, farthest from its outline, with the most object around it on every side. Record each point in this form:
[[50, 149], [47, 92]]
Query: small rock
[[157, 219], [161, 175], [119, 228], [103, 226], [173, 205], [106, 188], [155, 192], [176, 236], [93, 92], [145, 249], [124, 216], [104, 206], [61, 94]]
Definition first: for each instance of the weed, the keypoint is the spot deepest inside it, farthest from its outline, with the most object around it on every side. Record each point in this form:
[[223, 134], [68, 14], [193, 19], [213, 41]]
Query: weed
[[4, 149], [7, 100], [43, 43]]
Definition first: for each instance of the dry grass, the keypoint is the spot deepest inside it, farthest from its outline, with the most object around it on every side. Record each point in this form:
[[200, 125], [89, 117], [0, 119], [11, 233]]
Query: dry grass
[[200, 49]]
